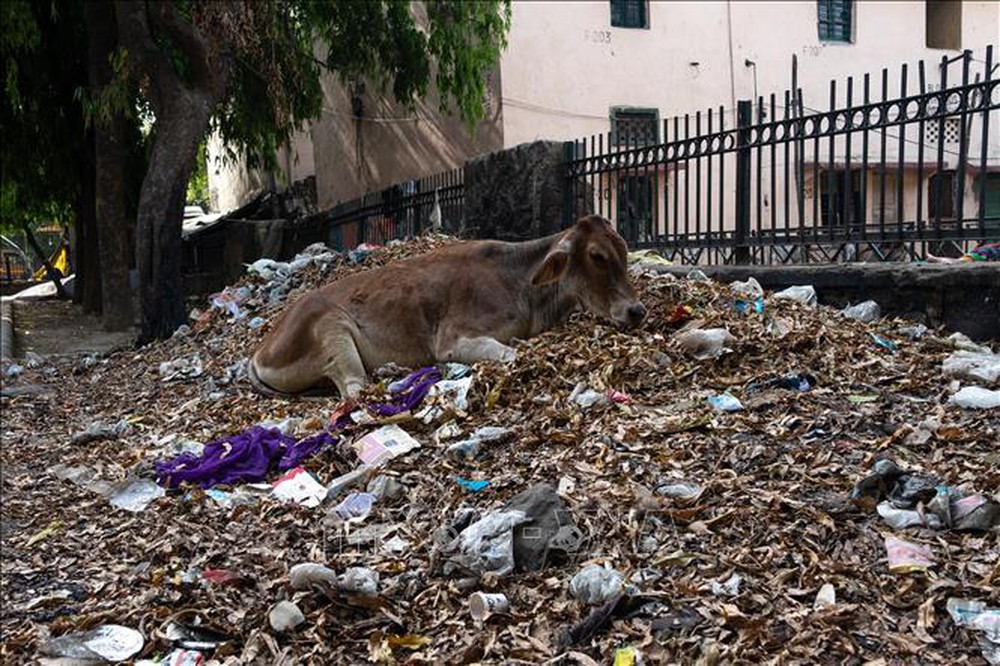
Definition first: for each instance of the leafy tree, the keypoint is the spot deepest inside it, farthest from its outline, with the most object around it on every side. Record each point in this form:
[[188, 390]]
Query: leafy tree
[[197, 187], [252, 71]]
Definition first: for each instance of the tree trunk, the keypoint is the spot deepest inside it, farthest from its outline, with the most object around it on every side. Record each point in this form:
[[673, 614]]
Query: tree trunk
[[161, 213], [109, 157], [50, 272], [182, 108], [87, 284]]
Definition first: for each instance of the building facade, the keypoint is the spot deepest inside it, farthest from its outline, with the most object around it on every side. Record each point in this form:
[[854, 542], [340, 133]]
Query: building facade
[[604, 70]]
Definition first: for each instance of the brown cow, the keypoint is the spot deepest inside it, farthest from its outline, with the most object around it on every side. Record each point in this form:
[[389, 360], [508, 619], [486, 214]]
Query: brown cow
[[460, 303]]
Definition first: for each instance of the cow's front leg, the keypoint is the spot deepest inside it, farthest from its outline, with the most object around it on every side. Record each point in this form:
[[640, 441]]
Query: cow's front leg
[[483, 348]]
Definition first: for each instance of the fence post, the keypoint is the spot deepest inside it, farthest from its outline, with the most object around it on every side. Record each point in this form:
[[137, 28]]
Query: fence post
[[744, 117]]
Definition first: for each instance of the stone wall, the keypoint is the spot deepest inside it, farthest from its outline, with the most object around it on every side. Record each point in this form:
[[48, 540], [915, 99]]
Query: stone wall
[[517, 194]]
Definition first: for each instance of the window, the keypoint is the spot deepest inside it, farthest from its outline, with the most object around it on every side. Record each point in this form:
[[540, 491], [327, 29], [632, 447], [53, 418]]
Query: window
[[943, 20], [941, 195], [835, 20], [839, 190], [634, 127], [991, 195], [635, 206], [629, 14]]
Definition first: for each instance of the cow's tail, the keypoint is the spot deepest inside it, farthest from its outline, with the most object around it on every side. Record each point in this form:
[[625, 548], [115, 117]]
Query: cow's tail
[[261, 387]]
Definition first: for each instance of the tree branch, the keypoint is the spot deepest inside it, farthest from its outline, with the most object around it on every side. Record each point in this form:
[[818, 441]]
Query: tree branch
[[133, 31], [189, 40]]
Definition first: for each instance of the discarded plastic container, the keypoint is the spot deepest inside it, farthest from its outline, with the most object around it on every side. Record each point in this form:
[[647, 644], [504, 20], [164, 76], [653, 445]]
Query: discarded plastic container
[[256, 322], [975, 397], [108, 642], [483, 604], [865, 312], [725, 402], [359, 580], [284, 616], [595, 584], [470, 448], [805, 294], [705, 343]]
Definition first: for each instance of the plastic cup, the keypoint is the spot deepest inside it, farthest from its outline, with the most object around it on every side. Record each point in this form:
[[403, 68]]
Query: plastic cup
[[481, 604]]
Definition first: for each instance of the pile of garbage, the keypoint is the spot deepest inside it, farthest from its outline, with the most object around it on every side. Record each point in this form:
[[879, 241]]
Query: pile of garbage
[[677, 493]]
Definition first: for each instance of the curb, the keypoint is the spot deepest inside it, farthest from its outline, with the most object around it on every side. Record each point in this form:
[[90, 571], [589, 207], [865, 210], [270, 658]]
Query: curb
[[6, 328]]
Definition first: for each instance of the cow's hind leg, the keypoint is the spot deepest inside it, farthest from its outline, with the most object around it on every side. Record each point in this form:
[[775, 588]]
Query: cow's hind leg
[[484, 348], [342, 362]]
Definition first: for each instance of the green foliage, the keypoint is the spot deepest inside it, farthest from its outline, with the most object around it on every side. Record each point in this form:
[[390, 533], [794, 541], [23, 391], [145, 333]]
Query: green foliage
[[275, 83], [40, 121], [197, 189]]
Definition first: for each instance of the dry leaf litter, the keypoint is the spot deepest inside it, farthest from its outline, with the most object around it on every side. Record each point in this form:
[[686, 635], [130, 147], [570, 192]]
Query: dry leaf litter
[[709, 484]]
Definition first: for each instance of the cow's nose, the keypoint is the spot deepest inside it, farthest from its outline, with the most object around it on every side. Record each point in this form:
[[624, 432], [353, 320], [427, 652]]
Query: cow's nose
[[636, 313]]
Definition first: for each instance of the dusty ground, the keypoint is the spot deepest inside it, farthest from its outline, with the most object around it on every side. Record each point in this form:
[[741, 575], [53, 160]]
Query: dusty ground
[[49, 327], [773, 506]]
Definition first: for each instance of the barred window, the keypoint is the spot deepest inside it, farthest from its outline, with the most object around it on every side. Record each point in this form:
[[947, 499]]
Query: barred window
[[629, 14], [634, 127], [835, 20]]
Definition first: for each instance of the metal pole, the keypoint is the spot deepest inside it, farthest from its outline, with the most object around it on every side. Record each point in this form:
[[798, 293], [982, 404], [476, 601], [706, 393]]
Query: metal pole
[[744, 117]]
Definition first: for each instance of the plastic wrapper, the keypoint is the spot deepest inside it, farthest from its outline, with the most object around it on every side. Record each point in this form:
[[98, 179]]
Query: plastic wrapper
[[975, 397], [284, 616], [865, 312], [705, 343], [981, 366], [804, 294], [907, 557], [106, 643], [595, 584]]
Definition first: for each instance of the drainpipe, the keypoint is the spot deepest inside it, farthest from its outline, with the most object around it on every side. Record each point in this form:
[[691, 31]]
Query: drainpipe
[[732, 60]]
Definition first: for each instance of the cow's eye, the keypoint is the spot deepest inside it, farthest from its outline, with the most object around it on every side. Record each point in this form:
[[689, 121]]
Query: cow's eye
[[597, 258]]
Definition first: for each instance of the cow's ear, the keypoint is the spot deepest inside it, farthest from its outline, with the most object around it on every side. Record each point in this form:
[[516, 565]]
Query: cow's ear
[[555, 264]]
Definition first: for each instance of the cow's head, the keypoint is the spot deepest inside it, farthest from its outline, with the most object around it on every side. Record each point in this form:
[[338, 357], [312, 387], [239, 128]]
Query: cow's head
[[591, 261]]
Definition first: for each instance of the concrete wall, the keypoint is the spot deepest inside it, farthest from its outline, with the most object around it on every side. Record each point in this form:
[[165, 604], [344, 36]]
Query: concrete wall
[[387, 143], [565, 66]]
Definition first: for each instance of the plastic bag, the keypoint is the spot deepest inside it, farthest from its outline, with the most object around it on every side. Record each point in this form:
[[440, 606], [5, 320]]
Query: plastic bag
[[975, 397], [805, 294]]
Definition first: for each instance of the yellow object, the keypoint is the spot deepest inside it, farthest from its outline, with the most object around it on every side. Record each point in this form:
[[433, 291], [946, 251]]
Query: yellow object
[[44, 534], [627, 656], [59, 261]]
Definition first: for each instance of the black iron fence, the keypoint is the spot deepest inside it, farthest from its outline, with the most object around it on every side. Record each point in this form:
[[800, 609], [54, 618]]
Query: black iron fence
[[878, 176], [401, 211]]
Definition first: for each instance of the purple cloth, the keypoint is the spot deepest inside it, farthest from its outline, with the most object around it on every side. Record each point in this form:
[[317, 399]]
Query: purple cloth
[[306, 448], [246, 457], [409, 392]]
